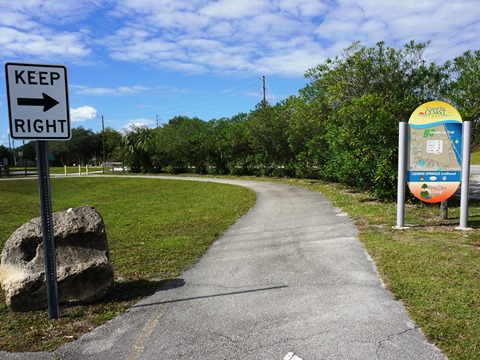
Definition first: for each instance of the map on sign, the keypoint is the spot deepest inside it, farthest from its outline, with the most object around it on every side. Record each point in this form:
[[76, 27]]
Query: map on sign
[[435, 151], [436, 148]]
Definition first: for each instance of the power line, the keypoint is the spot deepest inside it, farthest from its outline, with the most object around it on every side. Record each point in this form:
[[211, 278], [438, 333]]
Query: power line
[[191, 110], [267, 92], [455, 31], [271, 93], [207, 96], [454, 45], [215, 102], [192, 99]]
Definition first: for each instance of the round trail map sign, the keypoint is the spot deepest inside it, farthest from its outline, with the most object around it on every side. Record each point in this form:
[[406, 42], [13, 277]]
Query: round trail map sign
[[435, 151]]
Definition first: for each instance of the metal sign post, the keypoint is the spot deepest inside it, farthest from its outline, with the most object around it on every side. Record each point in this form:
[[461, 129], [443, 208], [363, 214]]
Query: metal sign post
[[402, 171], [467, 126], [47, 226]]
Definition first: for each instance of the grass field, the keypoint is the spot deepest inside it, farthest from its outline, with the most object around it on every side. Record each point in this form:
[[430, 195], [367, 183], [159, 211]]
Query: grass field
[[431, 267], [156, 229], [475, 158]]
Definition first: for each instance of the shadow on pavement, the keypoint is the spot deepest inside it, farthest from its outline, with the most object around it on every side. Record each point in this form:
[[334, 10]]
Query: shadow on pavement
[[212, 296], [136, 289]]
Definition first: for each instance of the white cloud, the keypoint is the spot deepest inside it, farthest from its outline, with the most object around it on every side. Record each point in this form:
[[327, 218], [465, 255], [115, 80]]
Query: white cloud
[[408, 20], [138, 122], [306, 8], [290, 63], [219, 37], [42, 45], [103, 91], [221, 29], [50, 11], [83, 113], [226, 37], [226, 9], [32, 30], [12, 19]]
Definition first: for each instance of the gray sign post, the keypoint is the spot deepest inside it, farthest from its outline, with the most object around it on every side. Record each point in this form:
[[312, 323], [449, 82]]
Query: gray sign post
[[465, 192], [402, 172], [47, 227]]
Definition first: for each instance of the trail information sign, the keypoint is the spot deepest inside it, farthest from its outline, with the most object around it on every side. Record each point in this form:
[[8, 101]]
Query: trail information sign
[[435, 151], [38, 101]]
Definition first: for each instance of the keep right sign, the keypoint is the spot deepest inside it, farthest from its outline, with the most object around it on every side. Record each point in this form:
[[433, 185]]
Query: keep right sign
[[38, 101]]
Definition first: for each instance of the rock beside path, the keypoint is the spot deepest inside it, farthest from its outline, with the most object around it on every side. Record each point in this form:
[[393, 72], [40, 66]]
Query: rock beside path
[[84, 272]]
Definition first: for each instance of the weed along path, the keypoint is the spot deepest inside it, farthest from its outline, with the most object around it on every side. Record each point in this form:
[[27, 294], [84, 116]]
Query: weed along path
[[289, 280]]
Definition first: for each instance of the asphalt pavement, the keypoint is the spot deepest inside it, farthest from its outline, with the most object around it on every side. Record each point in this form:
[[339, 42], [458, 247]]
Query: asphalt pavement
[[474, 188], [288, 281]]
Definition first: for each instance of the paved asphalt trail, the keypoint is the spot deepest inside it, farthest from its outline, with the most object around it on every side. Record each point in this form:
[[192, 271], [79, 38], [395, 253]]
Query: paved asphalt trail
[[289, 280]]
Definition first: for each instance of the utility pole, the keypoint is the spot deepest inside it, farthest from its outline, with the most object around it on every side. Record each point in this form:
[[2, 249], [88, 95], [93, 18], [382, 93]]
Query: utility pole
[[157, 121], [103, 141], [264, 100], [14, 154]]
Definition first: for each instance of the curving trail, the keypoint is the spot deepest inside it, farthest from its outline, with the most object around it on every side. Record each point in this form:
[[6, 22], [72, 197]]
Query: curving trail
[[289, 280]]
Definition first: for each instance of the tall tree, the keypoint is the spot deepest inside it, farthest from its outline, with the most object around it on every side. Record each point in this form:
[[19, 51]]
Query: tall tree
[[465, 90], [29, 152], [80, 149], [135, 148], [180, 144], [4, 154], [368, 91], [83, 145], [305, 135], [268, 134], [113, 140], [227, 146]]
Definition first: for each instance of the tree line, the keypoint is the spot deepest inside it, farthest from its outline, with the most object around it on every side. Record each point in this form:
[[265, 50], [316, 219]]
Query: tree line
[[342, 126], [84, 147]]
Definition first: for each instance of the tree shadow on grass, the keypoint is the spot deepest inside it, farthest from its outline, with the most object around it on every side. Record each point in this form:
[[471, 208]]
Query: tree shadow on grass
[[474, 222], [452, 221], [372, 199], [473, 209]]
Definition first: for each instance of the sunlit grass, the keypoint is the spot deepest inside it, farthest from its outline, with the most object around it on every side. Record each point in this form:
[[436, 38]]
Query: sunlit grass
[[475, 158], [155, 228]]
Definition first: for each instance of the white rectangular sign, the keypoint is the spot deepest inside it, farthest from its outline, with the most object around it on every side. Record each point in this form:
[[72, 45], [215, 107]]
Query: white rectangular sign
[[38, 101], [434, 146]]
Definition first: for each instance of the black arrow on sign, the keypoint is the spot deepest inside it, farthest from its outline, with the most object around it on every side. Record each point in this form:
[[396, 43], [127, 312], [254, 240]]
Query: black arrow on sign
[[47, 102]]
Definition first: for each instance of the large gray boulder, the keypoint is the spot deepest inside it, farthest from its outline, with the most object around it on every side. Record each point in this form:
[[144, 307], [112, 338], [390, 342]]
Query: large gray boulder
[[84, 272]]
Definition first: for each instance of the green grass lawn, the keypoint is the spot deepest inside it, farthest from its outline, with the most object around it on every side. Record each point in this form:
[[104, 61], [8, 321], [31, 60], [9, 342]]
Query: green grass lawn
[[155, 228], [475, 158]]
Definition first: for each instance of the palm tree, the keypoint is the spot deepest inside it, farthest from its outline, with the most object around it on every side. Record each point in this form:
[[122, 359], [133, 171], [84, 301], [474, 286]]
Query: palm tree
[[135, 148]]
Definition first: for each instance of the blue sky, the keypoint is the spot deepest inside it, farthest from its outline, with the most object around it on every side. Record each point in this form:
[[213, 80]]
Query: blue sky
[[134, 60]]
